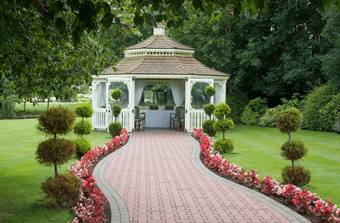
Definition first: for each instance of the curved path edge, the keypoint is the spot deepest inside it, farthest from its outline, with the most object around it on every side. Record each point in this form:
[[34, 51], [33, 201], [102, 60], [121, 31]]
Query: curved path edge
[[291, 215], [119, 211]]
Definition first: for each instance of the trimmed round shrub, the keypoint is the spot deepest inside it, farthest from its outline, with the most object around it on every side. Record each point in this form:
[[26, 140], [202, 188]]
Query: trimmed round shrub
[[298, 176], [224, 145], [209, 109], [56, 121], [83, 110], [116, 109], [57, 151], [289, 120], [116, 94], [293, 150], [224, 125], [208, 127], [82, 146], [254, 110], [115, 128], [222, 110], [269, 118], [82, 128], [65, 189], [210, 91]]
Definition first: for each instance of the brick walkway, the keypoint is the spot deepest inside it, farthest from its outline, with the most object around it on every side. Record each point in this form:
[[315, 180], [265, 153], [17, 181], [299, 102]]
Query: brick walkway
[[158, 177]]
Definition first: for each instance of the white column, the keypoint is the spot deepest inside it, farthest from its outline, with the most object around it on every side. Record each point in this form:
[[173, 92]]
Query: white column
[[107, 107], [224, 91], [187, 103], [131, 104]]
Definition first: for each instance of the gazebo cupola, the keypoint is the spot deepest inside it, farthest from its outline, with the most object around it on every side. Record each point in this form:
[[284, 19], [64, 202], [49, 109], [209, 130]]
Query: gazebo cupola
[[156, 58]]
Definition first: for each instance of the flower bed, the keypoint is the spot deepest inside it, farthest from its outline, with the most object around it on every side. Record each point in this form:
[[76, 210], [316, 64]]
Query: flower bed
[[91, 203], [304, 201]]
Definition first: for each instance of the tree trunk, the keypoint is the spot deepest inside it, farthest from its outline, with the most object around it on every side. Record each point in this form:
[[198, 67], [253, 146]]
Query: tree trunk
[[289, 136], [157, 98], [48, 102], [55, 170], [153, 97], [292, 164], [25, 106]]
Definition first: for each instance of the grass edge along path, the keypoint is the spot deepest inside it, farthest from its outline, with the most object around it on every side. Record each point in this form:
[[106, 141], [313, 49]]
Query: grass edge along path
[[21, 199], [259, 148]]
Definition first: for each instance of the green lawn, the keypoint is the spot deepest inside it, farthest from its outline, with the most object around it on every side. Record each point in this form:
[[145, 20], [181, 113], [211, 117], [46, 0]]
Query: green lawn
[[21, 176], [258, 148], [41, 107]]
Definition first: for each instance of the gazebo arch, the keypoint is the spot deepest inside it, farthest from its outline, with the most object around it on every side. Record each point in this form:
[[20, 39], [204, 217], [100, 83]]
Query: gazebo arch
[[157, 57]]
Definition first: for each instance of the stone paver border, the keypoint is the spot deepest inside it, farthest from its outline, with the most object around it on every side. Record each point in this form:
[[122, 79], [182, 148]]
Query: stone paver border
[[292, 216], [119, 211]]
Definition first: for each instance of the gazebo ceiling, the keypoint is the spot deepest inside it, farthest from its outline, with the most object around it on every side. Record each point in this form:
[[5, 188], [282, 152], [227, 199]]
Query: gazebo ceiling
[[160, 55]]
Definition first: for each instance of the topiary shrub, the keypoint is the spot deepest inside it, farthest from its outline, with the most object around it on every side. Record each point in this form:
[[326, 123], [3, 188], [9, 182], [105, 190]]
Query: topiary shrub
[[237, 101], [289, 120], [115, 128], [82, 128], [116, 109], [208, 127], [116, 94], [224, 145], [210, 91], [83, 110], [209, 109], [56, 121], [65, 189], [55, 152], [222, 110], [298, 176], [269, 118], [293, 150], [254, 110], [82, 146], [316, 99]]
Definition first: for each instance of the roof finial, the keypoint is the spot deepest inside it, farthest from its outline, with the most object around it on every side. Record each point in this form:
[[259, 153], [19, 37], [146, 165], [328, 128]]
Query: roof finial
[[160, 30]]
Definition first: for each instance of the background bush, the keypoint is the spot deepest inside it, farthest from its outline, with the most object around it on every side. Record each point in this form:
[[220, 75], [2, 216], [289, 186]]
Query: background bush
[[224, 145], [8, 106], [237, 101], [82, 146], [329, 114], [298, 176], [208, 127], [269, 118], [316, 99], [65, 189], [115, 128], [254, 110]]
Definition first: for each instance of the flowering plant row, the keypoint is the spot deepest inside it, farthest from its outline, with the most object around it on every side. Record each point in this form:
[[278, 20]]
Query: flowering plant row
[[91, 203], [304, 201]]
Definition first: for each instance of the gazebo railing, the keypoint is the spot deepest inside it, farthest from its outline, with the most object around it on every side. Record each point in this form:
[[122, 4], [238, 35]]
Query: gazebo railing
[[197, 117], [102, 118]]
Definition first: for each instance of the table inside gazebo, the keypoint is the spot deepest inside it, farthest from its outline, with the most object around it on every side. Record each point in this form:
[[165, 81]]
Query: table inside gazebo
[[158, 118]]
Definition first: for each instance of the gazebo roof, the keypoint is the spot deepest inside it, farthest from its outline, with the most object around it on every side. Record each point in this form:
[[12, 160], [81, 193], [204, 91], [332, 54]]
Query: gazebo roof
[[160, 55]]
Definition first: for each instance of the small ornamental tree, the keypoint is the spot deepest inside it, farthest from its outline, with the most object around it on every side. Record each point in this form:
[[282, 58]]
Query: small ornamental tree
[[207, 125], [289, 121], [116, 109], [53, 122], [83, 127], [223, 124]]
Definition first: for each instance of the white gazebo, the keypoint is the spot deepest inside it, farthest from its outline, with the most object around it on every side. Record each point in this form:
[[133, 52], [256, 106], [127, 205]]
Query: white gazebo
[[156, 58]]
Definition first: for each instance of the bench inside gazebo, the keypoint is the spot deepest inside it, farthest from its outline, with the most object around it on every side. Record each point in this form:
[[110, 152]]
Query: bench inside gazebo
[[156, 60]]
